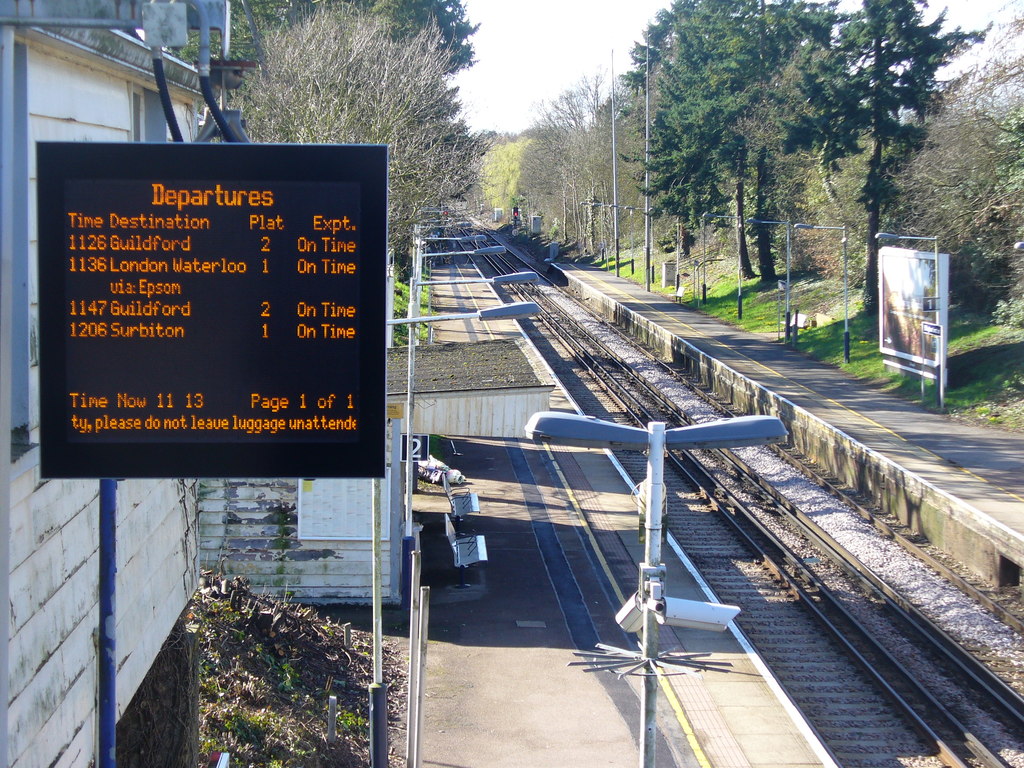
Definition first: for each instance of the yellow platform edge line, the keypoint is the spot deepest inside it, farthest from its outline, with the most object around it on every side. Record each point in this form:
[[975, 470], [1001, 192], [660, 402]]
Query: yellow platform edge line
[[666, 686]]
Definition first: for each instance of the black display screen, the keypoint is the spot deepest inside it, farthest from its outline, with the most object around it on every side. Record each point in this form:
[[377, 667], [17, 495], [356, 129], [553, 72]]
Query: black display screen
[[212, 310]]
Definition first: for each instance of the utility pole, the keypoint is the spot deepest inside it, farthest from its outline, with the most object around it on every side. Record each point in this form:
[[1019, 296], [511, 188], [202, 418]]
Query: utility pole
[[615, 177], [647, 167]]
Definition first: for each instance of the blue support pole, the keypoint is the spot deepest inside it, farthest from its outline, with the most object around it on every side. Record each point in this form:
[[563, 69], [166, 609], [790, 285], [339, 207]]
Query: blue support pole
[[107, 714], [408, 545], [378, 725]]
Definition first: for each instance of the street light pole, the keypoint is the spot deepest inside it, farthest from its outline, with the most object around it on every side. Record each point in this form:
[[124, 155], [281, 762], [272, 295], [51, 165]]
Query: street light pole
[[652, 569], [846, 285], [647, 170], [516, 311], [408, 540], [587, 431], [615, 175], [703, 262]]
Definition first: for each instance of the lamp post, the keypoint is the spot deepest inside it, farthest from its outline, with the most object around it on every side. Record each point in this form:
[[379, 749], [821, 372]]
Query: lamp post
[[587, 431], [789, 253], [492, 250], [519, 310], [739, 266], [615, 174], [846, 287], [647, 165], [890, 236], [512, 277], [931, 238], [476, 238]]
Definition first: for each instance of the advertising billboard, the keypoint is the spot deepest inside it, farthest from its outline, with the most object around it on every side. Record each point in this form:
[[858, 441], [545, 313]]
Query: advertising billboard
[[914, 310]]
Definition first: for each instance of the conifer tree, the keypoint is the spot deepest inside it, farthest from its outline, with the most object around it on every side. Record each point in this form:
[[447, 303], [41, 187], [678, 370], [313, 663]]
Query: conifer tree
[[722, 61], [873, 88]]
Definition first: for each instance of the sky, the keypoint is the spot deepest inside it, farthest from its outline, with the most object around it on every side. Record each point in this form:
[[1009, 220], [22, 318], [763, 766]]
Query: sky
[[530, 51]]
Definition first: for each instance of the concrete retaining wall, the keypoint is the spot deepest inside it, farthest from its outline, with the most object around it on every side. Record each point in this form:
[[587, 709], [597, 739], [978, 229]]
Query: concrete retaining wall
[[951, 525]]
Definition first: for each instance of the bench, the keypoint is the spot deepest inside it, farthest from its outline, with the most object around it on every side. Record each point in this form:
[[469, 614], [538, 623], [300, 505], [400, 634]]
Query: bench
[[461, 503], [466, 548]]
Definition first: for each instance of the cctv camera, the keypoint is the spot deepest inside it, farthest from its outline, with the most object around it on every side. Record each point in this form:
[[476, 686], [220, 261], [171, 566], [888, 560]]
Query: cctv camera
[[693, 614], [631, 615]]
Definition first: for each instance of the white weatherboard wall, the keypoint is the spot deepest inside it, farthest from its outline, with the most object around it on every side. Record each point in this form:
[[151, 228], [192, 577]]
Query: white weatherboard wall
[[65, 90]]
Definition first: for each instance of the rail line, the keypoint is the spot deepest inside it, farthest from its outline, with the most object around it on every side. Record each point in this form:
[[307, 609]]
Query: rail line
[[774, 578]]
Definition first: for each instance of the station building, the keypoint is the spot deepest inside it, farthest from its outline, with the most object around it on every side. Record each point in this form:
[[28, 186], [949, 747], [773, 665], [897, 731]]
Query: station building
[[76, 85]]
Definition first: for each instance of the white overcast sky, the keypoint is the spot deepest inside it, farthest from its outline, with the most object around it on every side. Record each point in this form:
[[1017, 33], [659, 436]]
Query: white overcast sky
[[529, 51]]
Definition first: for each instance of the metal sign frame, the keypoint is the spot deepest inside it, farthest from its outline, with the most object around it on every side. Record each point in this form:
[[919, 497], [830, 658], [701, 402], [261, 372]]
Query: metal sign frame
[[913, 291]]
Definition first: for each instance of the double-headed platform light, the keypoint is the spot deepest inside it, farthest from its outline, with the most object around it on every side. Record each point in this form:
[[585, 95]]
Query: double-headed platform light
[[650, 607], [512, 277], [477, 238], [519, 310]]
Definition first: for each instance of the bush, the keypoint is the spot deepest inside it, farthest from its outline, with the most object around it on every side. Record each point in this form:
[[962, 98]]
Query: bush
[[1009, 312]]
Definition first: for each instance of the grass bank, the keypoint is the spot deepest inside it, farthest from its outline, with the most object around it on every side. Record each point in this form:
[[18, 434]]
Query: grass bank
[[986, 361]]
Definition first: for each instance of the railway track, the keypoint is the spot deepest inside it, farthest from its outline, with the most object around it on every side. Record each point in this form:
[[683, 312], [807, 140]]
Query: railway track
[[918, 691]]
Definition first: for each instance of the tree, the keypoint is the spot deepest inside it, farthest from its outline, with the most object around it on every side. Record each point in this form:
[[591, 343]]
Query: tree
[[876, 83], [502, 168], [404, 19], [567, 165], [966, 184], [339, 77], [723, 62]]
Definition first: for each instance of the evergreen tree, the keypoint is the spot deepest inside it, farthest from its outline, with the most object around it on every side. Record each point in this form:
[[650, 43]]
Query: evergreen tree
[[406, 18], [722, 61], [875, 86]]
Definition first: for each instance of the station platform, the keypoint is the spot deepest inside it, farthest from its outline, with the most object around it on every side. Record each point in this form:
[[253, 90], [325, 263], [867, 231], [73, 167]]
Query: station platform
[[499, 690], [975, 473], [950, 451], [561, 533]]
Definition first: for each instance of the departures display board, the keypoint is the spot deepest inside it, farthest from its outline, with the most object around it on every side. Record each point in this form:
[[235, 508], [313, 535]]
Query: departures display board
[[212, 310]]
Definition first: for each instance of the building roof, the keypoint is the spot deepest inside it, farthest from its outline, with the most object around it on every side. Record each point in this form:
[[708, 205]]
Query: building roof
[[466, 366], [122, 50], [473, 389]]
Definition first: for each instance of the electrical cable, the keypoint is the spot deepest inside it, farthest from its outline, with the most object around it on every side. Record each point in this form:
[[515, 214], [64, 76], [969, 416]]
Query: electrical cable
[[165, 95], [204, 75], [218, 116]]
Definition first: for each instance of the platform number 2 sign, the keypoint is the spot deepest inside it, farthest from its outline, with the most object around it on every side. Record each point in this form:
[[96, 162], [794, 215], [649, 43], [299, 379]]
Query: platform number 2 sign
[[420, 448]]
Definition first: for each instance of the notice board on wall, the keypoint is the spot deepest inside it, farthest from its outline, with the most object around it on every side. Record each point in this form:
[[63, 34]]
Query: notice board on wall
[[212, 310]]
